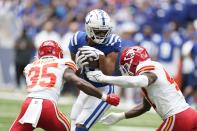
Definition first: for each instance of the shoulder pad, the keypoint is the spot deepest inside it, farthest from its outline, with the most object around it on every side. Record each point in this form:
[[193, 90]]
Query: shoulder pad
[[145, 67], [113, 39], [68, 62]]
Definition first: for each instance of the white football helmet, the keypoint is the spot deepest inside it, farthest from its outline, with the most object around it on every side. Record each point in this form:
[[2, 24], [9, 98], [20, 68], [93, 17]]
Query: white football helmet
[[98, 25]]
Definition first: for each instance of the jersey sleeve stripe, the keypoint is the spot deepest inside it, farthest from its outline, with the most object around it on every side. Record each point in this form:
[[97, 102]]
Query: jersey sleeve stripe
[[71, 41], [145, 68], [116, 39], [119, 40], [71, 65], [111, 39], [112, 43], [76, 38]]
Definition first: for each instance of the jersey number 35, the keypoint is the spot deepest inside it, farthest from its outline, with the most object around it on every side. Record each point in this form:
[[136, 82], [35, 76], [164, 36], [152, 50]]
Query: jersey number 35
[[39, 74]]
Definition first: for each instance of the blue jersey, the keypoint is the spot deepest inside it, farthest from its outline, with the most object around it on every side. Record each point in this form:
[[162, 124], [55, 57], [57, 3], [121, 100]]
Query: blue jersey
[[111, 44]]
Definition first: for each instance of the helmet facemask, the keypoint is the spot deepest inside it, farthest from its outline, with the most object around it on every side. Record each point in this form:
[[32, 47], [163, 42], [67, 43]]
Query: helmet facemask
[[100, 35], [128, 69]]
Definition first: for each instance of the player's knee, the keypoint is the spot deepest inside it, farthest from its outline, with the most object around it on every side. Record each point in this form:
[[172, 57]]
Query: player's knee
[[80, 127]]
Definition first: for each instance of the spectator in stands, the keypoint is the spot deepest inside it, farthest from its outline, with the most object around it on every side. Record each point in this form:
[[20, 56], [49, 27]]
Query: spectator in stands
[[127, 31], [194, 58], [149, 40], [23, 53], [188, 66], [10, 29], [33, 14], [169, 51], [73, 27], [47, 33]]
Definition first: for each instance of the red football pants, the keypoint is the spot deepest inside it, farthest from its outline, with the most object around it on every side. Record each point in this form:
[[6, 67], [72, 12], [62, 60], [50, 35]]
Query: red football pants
[[183, 121], [51, 119]]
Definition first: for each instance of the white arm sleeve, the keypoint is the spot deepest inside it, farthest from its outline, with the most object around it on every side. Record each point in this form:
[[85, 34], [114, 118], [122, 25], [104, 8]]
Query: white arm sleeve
[[128, 81]]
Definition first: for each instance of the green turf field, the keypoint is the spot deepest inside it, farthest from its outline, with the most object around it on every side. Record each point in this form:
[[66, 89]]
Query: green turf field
[[10, 108]]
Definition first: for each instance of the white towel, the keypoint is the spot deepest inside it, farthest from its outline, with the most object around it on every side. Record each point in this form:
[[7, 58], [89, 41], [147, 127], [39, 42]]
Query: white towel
[[33, 112]]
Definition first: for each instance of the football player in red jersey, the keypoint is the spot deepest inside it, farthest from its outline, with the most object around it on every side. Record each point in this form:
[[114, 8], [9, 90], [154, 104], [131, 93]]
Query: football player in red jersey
[[44, 78], [160, 91]]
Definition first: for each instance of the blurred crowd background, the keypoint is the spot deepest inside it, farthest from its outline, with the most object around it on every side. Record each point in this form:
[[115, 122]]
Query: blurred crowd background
[[167, 28]]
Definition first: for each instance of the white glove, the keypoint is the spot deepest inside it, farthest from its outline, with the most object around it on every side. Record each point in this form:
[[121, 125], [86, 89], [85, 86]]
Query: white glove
[[112, 118], [91, 52], [96, 76], [81, 60]]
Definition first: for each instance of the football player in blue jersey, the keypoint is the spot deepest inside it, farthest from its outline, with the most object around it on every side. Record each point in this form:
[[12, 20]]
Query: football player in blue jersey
[[95, 49]]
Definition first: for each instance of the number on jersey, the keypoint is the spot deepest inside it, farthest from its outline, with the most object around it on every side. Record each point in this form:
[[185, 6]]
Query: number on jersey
[[37, 75], [171, 80]]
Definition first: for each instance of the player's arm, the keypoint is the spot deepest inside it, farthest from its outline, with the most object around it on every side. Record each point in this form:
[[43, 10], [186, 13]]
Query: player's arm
[[138, 81], [138, 110], [69, 76], [113, 118], [107, 63], [75, 54]]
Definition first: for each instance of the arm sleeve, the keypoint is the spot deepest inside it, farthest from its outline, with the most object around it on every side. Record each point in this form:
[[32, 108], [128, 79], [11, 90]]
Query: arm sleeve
[[139, 80], [128, 81]]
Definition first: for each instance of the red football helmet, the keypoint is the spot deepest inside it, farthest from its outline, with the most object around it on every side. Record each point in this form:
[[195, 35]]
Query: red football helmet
[[50, 48], [131, 57]]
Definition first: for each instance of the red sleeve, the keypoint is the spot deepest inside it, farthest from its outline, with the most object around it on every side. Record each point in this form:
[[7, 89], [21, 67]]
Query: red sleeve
[[71, 65]]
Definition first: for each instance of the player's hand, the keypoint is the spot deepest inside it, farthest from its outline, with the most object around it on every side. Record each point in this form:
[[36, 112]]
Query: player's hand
[[81, 60], [112, 118], [96, 76], [89, 51], [111, 99]]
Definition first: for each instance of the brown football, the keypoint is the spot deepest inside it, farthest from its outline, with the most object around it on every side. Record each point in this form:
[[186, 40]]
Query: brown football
[[93, 64]]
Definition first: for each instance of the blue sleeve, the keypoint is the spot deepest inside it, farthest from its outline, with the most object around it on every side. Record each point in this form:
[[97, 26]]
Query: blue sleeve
[[117, 46], [73, 44]]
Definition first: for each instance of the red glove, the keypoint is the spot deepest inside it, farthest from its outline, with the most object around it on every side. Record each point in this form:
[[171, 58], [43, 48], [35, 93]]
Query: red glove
[[113, 99]]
